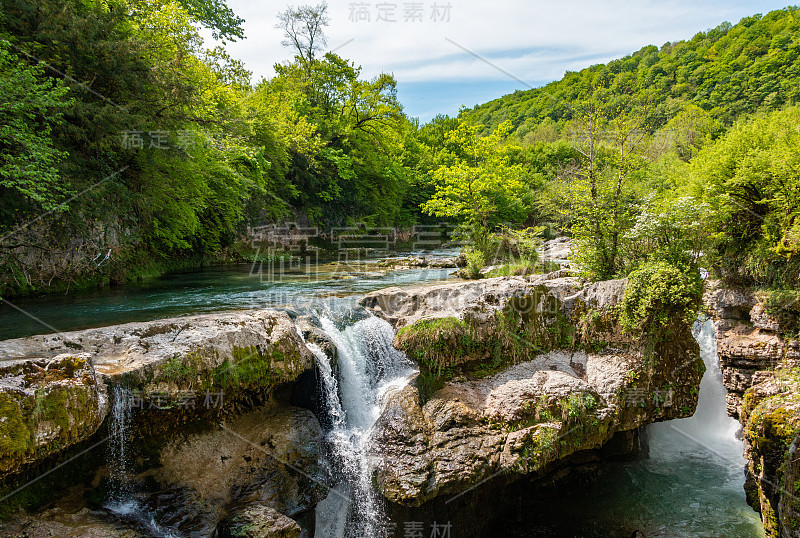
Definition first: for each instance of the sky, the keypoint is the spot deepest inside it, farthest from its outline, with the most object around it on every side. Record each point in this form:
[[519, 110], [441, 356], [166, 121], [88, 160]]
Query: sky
[[449, 53]]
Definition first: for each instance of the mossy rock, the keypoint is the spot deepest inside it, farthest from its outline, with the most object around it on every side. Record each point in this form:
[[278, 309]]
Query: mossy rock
[[771, 418], [46, 406]]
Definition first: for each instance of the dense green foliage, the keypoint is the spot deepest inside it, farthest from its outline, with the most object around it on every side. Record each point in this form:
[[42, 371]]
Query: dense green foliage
[[750, 180], [129, 147], [659, 296], [728, 71], [685, 155]]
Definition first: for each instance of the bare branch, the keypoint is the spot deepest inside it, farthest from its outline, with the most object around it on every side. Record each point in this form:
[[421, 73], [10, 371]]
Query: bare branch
[[303, 29]]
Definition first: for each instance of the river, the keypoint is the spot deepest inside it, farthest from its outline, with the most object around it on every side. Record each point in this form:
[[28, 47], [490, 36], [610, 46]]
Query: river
[[690, 485]]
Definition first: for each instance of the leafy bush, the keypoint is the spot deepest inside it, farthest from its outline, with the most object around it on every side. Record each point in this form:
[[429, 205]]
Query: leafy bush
[[475, 262], [659, 296], [673, 231]]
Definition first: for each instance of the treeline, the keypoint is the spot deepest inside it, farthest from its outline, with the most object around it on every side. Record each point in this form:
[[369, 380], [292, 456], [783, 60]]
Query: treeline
[[728, 71], [677, 151], [128, 147], [657, 165]]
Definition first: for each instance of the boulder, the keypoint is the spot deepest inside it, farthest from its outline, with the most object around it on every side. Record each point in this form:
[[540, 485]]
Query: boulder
[[517, 374], [47, 405], [258, 521], [180, 351]]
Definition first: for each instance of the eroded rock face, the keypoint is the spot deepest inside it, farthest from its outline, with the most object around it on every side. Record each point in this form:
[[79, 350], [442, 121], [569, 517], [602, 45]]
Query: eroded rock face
[[404, 306], [511, 424], [591, 382], [760, 371], [268, 456], [60, 522], [748, 342], [52, 393], [770, 416], [46, 405]]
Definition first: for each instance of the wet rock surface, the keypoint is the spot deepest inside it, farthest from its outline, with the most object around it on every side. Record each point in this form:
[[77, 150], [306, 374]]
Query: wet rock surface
[[268, 456], [189, 466], [518, 421], [52, 387]]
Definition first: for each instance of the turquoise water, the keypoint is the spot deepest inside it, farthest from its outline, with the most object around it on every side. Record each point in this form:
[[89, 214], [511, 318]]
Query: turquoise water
[[691, 485], [213, 289]]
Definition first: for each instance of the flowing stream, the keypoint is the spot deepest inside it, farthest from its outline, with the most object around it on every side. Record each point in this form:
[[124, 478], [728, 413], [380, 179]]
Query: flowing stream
[[368, 367], [691, 484]]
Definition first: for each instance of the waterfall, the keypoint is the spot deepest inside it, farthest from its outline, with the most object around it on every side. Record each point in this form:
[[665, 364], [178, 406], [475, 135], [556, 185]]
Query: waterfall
[[122, 500], [119, 465], [367, 366], [710, 431]]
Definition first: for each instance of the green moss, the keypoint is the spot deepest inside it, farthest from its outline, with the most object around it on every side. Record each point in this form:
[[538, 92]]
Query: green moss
[[181, 372], [772, 423], [440, 343], [784, 306], [54, 406], [21, 415], [16, 436], [528, 325], [250, 368], [538, 449]]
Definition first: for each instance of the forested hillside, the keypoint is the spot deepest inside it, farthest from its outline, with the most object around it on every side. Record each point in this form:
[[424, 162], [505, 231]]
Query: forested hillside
[[685, 155], [728, 71]]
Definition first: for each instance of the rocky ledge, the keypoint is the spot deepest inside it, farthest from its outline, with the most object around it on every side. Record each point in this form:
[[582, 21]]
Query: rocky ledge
[[515, 374], [761, 371], [52, 393], [750, 343], [203, 395]]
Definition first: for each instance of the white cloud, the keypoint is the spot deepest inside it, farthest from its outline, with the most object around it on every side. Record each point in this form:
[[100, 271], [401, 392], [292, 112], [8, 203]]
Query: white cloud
[[534, 41]]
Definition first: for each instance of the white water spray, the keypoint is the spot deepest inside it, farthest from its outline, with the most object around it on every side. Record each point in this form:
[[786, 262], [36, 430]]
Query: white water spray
[[368, 366], [710, 432]]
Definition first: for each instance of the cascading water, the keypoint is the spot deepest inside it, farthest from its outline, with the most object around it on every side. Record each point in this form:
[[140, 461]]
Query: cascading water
[[119, 429], [367, 367], [710, 432], [690, 485], [122, 500]]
